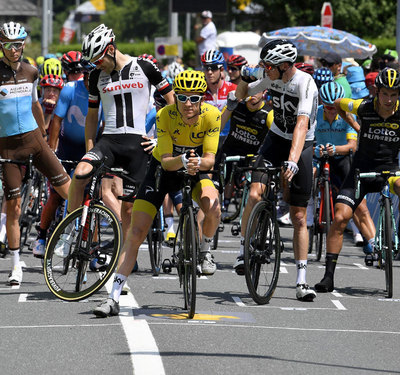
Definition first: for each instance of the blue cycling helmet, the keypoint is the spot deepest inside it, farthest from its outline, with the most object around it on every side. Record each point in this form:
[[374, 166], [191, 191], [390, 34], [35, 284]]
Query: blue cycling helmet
[[331, 91], [212, 57], [13, 31], [322, 75]]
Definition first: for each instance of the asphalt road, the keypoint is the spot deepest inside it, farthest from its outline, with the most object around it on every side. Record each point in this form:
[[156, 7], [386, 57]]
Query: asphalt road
[[353, 330]]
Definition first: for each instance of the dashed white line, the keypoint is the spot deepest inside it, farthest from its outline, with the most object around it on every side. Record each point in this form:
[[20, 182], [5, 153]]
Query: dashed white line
[[338, 304], [360, 266], [336, 294], [238, 301]]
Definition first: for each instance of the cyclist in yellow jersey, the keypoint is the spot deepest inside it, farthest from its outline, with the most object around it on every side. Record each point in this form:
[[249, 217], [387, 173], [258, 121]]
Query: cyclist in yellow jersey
[[188, 134]]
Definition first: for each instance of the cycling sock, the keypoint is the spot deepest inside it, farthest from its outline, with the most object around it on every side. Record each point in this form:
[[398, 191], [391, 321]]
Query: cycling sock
[[205, 244], [371, 241], [241, 249], [169, 220], [353, 227], [118, 284], [42, 234], [330, 264], [14, 257], [226, 203], [3, 230], [301, 266]]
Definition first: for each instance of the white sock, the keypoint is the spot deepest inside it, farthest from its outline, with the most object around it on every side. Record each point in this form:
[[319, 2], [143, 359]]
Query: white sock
[[3, 229], [301, 266], [371, 241], [205, 246], [241, 248], [14, 257], [353, 227], [118, 284], [170, 224]]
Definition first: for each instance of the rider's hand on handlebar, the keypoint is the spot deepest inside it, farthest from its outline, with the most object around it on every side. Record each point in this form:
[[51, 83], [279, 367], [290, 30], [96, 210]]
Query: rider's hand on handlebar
[[318, 150], [149, 144], [331, 149], [191, 162]]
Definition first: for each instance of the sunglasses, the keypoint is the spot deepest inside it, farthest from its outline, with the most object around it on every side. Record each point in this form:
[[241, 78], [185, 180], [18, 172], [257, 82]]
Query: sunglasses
[[266, 66], [211, 67], [193, 98], [100, 60], [233, 68], [13, 45]]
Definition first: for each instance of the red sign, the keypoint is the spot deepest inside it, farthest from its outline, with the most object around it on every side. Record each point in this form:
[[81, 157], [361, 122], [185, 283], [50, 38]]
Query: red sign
[[327, 15]]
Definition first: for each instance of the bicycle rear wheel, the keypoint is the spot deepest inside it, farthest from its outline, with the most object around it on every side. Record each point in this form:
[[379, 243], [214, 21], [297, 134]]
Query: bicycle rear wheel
[[155, 240], [262, 253], [387, 249], [189, 246], [71, 278]]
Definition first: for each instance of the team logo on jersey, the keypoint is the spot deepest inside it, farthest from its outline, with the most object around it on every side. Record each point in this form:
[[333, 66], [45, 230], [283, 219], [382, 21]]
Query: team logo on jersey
[[117, 87], [173, 114], [3, 92]]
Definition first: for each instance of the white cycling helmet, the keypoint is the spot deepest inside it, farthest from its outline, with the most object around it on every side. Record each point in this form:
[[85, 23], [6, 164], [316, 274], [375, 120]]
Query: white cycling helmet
[[97, 41], [278, 51], [13, 31], [174, 69]]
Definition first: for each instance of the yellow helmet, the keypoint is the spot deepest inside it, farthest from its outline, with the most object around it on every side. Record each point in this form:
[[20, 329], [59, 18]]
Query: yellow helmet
[[31, 61], [39, 60], [190, 81], [51, 66]]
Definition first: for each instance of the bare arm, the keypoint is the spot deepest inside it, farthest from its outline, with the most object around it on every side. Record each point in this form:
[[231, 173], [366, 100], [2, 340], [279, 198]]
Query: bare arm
[[241, 90], [38, 115], [299, 137], [170, 97], [343, 149], [91, 127], [54, 132]]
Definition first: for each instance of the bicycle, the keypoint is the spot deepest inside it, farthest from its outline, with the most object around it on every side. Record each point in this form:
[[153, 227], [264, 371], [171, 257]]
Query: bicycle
[[92, 231], [242, 180], [25, 221], [386, 237], [323, 208], [262, 243]]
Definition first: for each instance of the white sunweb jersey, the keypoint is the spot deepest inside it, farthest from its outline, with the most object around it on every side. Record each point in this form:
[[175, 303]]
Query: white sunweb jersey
[[125, 95], [298, 96]]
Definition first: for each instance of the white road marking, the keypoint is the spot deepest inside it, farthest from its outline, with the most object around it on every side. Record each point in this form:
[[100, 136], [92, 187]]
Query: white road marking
[[23, 297], [338, 304], [283, 270], [336, 294], [145, 356], [247, 326], [388, 300], [238, 301], [360, 266]]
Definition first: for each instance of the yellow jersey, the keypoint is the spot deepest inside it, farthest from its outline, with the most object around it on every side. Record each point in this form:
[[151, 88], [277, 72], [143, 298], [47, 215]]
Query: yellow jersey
[[175, 137]]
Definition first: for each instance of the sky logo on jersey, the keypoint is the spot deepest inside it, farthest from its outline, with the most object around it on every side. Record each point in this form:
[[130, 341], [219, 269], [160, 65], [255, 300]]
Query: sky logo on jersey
[[125, 86], [3, 92]]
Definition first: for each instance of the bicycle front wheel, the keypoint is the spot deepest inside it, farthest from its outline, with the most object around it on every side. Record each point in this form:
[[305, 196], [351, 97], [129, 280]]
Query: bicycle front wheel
[[387, 249], [262, 253], [90, 253], [155, 240], [189, 245]]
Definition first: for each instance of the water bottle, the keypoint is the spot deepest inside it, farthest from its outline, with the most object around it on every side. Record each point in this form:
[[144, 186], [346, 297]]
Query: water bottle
[[257, 73]]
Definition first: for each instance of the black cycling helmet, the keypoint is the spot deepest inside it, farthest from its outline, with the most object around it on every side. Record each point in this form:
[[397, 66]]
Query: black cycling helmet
[[388, 78]]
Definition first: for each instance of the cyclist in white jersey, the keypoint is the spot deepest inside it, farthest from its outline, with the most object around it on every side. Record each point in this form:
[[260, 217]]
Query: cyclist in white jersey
[[295, 100], [123, 84]]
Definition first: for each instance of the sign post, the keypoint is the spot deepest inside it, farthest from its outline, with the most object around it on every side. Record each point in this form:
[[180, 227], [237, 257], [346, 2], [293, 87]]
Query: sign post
[[327, 15]]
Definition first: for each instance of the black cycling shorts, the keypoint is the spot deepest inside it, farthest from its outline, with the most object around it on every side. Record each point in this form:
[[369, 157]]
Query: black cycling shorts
[[123, 151], [275, 150]]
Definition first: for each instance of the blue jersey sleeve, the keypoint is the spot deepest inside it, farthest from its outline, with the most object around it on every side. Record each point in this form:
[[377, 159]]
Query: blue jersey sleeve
[[64, 101], [150, 119]]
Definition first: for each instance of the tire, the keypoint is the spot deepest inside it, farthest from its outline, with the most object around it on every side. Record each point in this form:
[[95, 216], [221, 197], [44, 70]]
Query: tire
[[387, 249], [312, 230], [189, 247], [70, 278], [155, 240], [236, 202], [318, 227], [24, 219], [327, 208], [215, 239], [262, 253]]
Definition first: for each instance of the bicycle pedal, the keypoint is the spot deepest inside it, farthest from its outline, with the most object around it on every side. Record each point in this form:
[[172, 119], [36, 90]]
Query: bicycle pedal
[[166, 266], [221, 227], [235, 230]]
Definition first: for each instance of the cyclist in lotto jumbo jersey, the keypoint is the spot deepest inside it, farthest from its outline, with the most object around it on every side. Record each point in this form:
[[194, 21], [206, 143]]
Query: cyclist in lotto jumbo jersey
[[122, 83], [20, 136], [378, 148]]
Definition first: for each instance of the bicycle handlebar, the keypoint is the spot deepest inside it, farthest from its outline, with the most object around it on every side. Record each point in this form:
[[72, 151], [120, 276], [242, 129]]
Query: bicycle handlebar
[[360, 175]]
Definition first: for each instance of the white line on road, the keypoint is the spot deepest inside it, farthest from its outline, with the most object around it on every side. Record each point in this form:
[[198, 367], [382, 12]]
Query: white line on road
[[338, 304], [283, 270], [145, 355], [247, 326], [23, 297], [360, 266], [336, 294], [238, 301]]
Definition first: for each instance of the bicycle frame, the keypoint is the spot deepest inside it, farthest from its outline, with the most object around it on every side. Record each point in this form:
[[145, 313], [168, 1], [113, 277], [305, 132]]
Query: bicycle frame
[[325, 177]]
